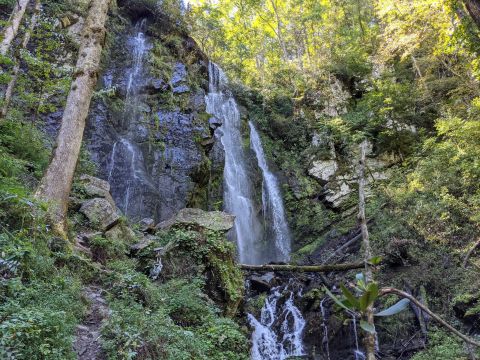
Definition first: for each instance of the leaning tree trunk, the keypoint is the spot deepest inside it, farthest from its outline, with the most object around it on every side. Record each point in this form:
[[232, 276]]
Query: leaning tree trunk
[[57, 182], [473, 7], [370, 337], [11, 30], [13, 81]]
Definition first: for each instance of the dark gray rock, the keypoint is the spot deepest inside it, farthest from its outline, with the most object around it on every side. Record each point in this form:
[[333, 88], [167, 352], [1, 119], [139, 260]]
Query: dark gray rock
[[147, 225], [179, 74], [152, 157], [258, 284], [181, 89]]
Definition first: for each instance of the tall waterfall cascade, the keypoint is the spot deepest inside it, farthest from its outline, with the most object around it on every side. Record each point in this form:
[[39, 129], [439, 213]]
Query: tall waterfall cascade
[[273, 210], [238, 198], [130, 164], [257, 242]]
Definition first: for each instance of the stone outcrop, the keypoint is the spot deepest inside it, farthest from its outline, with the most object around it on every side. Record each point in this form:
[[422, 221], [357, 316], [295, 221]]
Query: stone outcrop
[[339, 180], [100, 213], [210, 220]]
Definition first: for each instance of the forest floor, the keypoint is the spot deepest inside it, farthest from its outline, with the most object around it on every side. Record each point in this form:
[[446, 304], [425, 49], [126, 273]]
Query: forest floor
[[87, 343]]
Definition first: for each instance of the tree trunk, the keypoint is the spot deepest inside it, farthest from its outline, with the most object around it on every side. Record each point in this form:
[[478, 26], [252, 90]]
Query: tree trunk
[[279, 30], [304, 268], [11, 30], [57, 182], [16, 69], [370, 338], [473, 7]]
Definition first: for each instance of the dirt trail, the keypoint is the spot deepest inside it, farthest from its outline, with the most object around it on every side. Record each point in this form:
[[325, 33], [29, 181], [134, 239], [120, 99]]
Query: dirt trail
[[87, 343]]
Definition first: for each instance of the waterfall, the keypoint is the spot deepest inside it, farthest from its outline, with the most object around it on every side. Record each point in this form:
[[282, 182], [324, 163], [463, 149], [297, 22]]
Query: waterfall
[[139, 48], [126, 161], [278, 333], [238, 199], [272, 199], [325, 329], [357, 353]]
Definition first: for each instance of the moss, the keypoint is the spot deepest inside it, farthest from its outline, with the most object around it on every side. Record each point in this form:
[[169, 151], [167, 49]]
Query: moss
[[442, 346]]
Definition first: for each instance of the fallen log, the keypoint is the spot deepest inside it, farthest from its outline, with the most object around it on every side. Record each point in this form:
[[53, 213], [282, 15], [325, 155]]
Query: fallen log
[[304, 268]]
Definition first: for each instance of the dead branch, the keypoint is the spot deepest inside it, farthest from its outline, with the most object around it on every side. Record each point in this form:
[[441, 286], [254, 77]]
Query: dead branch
[[403, 294]]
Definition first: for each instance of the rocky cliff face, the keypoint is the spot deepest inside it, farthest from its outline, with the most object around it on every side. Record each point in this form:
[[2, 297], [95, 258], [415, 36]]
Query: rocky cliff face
[[148, 131]]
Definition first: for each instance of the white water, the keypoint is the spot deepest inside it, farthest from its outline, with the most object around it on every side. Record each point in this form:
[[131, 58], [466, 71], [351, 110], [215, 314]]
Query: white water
[[126, 158], [325, 329], [139, 47], [272, 199], [238, 198], [272, 341], [359, 355]]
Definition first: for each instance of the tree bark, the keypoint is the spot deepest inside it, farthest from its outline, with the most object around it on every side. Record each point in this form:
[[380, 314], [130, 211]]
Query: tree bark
[[57, 182], [473, 7], [11, 30], [470, 252], [304, 268], [370, 338], [16, 69]]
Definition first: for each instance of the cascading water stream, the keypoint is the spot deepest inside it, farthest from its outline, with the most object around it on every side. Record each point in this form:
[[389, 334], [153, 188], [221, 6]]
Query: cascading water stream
[[278, 333], [272, 199], [131, 161], [325, 329], [139, 46], [238, 199], [359, 355]]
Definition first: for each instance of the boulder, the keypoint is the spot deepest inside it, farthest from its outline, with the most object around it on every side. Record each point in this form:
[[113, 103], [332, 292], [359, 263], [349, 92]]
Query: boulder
[[146, 242], [147, 225], [95, 186], [323, 169], [263, 283], [101, 213], [121, 233], [211, 220]]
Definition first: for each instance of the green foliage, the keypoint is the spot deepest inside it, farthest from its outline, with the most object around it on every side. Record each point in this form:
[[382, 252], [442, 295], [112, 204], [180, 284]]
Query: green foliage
[[170, 321], [364, 296], [442, 346], [40, 302], [211, 250]]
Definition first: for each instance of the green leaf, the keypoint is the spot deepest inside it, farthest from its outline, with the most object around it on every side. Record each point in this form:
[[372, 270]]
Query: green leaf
[[337, 300], [395, 309], [350, 297], [376, 260], [367, 327], [369, 296]]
